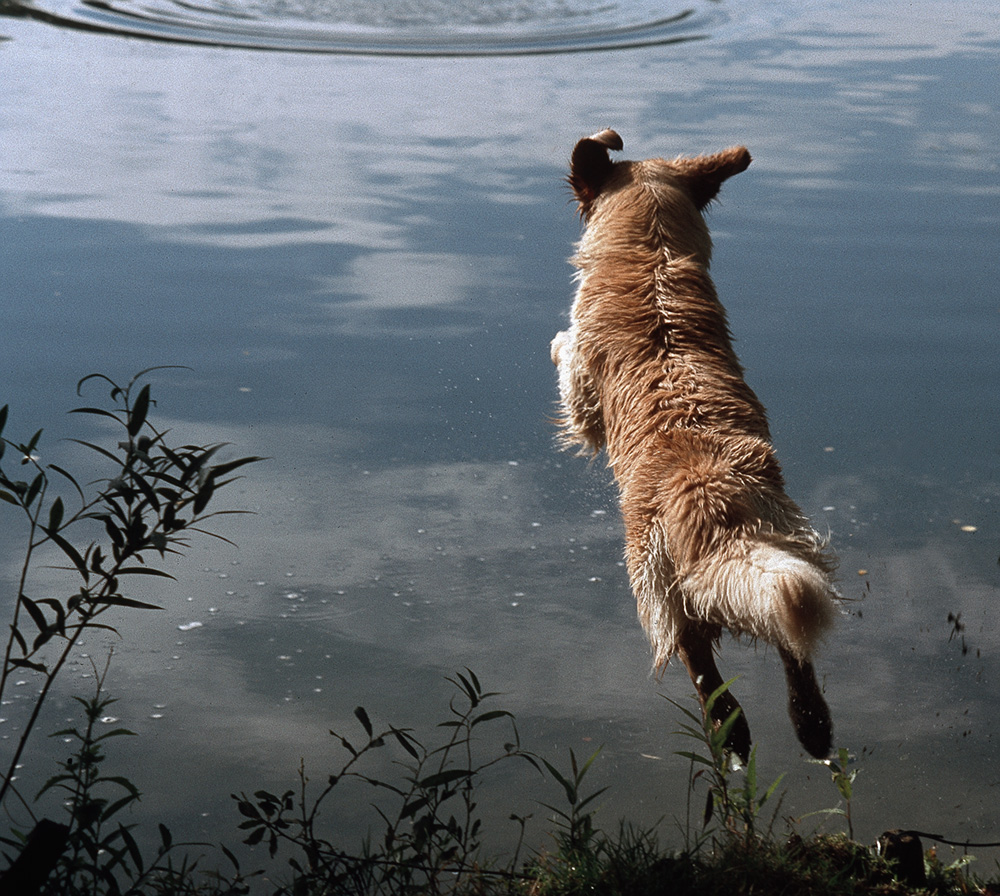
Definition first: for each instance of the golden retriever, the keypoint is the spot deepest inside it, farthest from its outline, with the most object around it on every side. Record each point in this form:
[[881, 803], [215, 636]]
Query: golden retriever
[[647, 370]]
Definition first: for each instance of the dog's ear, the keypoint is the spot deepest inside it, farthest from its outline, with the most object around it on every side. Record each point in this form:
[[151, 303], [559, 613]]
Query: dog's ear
[[703, 176], [590, 166]]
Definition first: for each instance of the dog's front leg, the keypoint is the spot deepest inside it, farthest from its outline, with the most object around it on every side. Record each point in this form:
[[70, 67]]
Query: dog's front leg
[[695, 650], [583, 419]]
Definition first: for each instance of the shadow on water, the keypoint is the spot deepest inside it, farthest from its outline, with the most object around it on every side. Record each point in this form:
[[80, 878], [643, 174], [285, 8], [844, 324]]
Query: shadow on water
[[425, 28]]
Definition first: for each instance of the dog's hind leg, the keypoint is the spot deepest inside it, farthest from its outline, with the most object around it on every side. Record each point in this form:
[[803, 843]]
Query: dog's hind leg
[[806, 706], [695, 650]]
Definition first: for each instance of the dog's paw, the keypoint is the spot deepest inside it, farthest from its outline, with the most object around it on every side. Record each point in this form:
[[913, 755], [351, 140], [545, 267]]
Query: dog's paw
[[558, 343]]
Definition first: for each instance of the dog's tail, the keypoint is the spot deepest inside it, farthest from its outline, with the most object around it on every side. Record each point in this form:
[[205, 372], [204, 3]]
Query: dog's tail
[[766, 591]]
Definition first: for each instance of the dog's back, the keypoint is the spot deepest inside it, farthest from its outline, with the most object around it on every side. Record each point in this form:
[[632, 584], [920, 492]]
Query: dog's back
[[648, 371]]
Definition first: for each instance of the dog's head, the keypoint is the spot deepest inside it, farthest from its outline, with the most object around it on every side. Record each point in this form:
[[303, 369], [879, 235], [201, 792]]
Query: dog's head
[[670, 192]]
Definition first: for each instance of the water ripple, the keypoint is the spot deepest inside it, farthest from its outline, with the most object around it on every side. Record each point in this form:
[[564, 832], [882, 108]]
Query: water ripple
[[416, 28]]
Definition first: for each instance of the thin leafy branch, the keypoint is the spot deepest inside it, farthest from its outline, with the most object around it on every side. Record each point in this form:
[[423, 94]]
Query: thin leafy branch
[[153, 498], [843, 777], [737, 805], [432, 836], [576, 827], [94, 853]]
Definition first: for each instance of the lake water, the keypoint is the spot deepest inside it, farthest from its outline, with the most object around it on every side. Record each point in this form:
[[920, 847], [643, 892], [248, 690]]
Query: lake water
[[358, 247]]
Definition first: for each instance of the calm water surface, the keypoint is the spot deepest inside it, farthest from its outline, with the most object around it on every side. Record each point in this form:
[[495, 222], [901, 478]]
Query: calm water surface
[[360, 253]]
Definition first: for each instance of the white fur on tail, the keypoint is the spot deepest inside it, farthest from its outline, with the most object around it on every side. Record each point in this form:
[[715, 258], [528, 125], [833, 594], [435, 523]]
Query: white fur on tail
[[754, 589]]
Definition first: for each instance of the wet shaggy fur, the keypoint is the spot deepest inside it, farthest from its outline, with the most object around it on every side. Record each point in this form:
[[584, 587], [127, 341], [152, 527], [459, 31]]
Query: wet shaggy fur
[[647, 371]]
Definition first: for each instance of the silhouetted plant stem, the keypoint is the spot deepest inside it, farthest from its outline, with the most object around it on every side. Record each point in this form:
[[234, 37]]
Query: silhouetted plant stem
[[153, 497]]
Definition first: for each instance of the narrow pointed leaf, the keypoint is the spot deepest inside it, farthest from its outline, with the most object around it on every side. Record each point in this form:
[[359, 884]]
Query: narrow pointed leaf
[[139, 411], [32, 443], [73, 481], [116, 600], [227, 467], [405, 742], [694, 757], [771, 789], [98, 448], [590, 761], [345, 743], [115, 807], [362, 717], [147, 491], [592, 796], [204, 495], [20, 640], [227, 853], [28, 664], [133, 848], [143, 571], [37, 616], [446, 777], [567, 785], [100, 412], [34, 489], [475, 681], [42, 638], [411, 809], [491, 715], [69, 551], [56, 514]]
